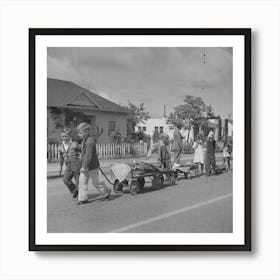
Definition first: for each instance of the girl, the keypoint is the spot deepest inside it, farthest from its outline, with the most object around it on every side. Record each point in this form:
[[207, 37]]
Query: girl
[[199, 151]]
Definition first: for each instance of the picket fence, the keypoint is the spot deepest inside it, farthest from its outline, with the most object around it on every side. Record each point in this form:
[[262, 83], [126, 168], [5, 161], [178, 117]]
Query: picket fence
[[107, 150]]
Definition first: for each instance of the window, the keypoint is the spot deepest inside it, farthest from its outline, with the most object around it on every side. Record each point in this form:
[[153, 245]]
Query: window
[[161, 129], [171, 127], [111, 127], [156, 128], [144, 128]]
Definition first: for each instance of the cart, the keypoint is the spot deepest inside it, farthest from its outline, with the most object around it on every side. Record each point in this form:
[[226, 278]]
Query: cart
[[134, 175], [189, 170]]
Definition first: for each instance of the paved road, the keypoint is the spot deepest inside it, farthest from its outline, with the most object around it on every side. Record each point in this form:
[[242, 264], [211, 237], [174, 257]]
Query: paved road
[[201, 204], [53, 168]]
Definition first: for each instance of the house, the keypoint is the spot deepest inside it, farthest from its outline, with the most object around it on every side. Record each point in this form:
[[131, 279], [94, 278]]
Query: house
[[220, 127], [99, 112], [161, 125]]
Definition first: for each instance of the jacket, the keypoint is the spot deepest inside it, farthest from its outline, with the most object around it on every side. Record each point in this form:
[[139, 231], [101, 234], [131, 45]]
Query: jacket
[[71, 154], [89, 154]]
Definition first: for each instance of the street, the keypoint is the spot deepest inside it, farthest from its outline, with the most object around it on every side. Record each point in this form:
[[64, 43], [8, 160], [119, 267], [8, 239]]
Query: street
[[202, 204]]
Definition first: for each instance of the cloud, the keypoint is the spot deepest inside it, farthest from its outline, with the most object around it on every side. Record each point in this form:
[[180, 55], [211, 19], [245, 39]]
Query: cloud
[[155, 76]]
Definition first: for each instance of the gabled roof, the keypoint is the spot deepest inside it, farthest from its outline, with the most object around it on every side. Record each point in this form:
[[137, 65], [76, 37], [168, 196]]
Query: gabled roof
[[67, 94]]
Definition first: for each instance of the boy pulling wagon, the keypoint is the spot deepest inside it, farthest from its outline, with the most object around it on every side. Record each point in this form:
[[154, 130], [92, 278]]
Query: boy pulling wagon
[[90, 166]]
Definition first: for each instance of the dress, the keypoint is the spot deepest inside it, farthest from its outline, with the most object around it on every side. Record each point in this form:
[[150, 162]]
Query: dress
[[198, 153]]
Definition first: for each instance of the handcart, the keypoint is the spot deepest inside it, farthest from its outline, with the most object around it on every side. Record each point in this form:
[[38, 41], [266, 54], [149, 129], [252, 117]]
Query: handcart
[[132, 176], [189, 170]]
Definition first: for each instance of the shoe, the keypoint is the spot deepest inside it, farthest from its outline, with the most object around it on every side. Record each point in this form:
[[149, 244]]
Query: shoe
[[107, 194], [75, 194], [82, 202]]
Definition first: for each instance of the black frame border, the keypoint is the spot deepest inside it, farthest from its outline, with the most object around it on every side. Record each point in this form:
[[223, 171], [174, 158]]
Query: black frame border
[[246, 32]]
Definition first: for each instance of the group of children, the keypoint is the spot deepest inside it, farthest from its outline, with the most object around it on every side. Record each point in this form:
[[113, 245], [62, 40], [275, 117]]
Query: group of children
[[82, 164], [204, 153]]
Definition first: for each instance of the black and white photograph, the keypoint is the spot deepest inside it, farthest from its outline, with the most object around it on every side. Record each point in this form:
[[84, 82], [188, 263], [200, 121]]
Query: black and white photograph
[[144, 143]]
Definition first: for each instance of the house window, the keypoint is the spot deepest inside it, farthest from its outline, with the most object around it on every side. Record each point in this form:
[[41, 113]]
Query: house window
[[111, 127], [171, 127], [144, 128], [156, 128], [161, 129]]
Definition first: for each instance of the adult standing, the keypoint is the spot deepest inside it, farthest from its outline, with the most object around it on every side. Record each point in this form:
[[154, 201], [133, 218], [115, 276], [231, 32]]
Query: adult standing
[[177, 143], [90, 165]]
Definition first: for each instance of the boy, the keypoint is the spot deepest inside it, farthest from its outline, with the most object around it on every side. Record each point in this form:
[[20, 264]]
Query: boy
[[210, 154], [177, 144], [90, 165], [69, 153], [227, 154], [164, 155]]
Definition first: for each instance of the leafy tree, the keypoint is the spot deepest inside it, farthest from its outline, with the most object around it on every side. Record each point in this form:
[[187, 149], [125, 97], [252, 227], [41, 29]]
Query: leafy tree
[[67, 118], [116, 137], [193, 111], [138, 114]]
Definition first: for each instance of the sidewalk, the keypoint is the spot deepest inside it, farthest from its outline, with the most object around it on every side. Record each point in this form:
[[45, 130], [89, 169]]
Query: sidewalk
[[53, 168]]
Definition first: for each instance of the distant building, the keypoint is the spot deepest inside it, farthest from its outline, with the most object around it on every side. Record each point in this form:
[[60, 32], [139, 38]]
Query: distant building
[[160, 125], [97, 111], [220, 127]]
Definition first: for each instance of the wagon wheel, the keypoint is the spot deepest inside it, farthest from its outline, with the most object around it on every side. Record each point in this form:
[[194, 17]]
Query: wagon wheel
[[172, 179], [156, 182], [134, 187], [141, 182], [118, 187], [187, 175]]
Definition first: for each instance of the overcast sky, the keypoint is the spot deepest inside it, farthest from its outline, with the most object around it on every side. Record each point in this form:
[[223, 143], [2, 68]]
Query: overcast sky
[[155, 76]]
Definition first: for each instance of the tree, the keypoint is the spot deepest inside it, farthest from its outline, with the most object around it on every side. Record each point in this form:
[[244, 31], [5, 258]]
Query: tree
[[116, 137], [67, 118], [138, 114], [193, 111], [64, 117]]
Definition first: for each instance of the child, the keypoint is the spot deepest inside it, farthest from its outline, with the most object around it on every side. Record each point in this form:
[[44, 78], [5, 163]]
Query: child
[[164, 157], [70, 154], [210, 154], [90, 165], [226, 155], [198, 157]]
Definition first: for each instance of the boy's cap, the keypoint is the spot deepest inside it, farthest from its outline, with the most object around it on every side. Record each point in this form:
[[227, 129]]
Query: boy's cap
[[83, 126]]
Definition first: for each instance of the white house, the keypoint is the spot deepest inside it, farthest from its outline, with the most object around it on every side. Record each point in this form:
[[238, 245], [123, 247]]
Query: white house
[[160, 125], [220, 128]]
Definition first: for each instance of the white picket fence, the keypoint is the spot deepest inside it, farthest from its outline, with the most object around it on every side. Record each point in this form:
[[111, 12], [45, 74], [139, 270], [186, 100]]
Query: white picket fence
[[107, 150]]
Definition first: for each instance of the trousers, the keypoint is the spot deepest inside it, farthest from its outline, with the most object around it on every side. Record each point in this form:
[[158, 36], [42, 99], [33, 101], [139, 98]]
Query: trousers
[[210, 163], [177, 155], [93, 176], [72, 172]]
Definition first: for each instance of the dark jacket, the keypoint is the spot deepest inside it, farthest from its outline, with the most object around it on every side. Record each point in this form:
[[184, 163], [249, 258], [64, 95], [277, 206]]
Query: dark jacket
[[164, 156], [211, 148], [89, 154]]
